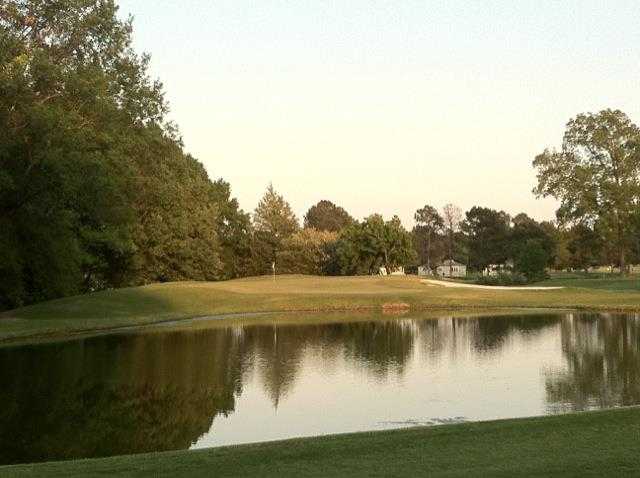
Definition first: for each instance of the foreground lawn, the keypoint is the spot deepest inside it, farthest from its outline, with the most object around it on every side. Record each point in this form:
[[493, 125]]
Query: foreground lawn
[[180, 300], [586, 444]]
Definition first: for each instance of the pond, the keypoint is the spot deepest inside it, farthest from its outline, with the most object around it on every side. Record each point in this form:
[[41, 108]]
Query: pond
[[216, 383]]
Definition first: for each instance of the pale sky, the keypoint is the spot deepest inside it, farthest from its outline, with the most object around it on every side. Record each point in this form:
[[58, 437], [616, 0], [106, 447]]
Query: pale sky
[[384, 106]]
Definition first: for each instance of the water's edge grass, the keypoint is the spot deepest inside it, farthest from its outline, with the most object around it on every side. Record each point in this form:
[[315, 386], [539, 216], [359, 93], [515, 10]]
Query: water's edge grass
[[599, 443], [120, 309]]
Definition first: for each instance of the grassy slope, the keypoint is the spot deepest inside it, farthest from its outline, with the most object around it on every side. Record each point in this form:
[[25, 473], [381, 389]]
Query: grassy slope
[[596, 281], [586, 444], [143, 305]]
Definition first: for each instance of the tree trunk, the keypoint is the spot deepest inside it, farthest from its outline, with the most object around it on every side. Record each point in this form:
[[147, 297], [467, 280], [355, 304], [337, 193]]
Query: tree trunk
[[429, 253], [621, 251]]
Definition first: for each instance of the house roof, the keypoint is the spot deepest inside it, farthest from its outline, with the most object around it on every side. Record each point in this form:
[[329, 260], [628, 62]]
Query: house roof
[[451, 262]]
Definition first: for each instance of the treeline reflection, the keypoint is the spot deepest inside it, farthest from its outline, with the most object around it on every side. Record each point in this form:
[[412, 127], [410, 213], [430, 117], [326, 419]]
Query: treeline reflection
[[156, 391], [602, 370]]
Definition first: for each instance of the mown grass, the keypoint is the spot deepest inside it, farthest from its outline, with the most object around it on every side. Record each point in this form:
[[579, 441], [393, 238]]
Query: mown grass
[[585, 444], [172, 301], [614, 282]]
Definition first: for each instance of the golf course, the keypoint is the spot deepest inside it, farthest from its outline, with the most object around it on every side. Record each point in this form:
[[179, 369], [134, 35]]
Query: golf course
[[576, 444], [168, 302]]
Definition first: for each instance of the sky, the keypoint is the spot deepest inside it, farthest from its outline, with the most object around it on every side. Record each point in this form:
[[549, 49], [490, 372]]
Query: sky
[[385, 106]]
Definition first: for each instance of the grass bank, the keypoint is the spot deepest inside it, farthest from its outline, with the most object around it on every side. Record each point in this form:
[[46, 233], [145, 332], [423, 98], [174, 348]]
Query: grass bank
[[173, 301], [584, 444]]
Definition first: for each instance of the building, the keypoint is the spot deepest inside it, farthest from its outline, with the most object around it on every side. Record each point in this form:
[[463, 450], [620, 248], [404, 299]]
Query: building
[[398, 271], [424, 271], [493, 270], [451, 268]]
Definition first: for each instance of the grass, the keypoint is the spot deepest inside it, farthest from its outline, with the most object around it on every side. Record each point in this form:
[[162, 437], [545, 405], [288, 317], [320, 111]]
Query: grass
[[173, 301], [595, 281], [585, 444]]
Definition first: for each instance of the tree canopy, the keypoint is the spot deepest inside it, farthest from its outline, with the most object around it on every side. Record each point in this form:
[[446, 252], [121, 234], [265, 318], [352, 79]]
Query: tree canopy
[[95, 189], [487, 233], [596, 174], [326, 216], [274, 222], [364, 247]]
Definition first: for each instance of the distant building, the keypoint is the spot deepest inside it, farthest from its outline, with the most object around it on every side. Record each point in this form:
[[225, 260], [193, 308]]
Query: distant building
[[424, 271], [451, 268], [493, 270], [398, 271]]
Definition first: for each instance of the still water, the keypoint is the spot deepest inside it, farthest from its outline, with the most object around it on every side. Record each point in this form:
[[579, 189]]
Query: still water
[[247, 381]]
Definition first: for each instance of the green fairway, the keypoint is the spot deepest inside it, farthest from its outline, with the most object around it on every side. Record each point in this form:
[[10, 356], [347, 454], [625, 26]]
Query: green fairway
[[584, 444], [595, 281], [179, 300]]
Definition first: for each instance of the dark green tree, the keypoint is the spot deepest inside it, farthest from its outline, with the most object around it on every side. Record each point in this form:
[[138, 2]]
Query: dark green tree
[[95, 189], [531, 260], [525, 228], [487, 234], [428, 225], [326, 216], [364, 247], [234, 232]]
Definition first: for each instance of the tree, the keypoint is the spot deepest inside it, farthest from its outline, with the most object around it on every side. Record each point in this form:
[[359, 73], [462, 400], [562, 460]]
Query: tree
[[326, 216], [584, 246], [531, 260], [525, 228], [234, 230], [363, 248], [452, 216], [308, 251], [95, 188], [273, 223], [596, 174], [72, 93], [430, 223], [487, 233]]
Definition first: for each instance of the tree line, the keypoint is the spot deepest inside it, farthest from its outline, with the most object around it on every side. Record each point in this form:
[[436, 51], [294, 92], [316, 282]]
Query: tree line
[[97, 191]]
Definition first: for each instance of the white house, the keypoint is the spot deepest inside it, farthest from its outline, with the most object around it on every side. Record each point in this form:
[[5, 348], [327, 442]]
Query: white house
[[451, 268], [398, 271], [493, 270]]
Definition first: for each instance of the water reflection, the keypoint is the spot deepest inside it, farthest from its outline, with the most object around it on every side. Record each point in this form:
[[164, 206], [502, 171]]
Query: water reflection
[[226, 384], [602, 367]]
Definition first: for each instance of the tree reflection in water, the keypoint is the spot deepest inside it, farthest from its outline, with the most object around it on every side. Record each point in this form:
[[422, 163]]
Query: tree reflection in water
[[158, 391], [602, 353]]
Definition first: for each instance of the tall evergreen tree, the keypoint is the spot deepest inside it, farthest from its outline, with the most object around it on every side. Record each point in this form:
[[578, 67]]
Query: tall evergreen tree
[[274, 222]]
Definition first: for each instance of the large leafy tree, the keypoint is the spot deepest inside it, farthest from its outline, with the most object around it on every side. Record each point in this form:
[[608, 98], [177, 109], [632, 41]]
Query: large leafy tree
[[69, 88], [596, 174], [308, 251], [274, 222], [429, 224], [326, 216], [364, 247], [95, 190], [584, 245], [234, 231], [527, 229], [487, 232]]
